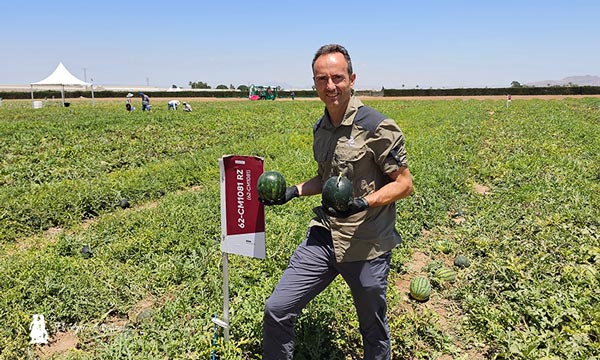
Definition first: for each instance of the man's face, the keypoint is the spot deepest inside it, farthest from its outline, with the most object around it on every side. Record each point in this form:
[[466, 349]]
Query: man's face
[[332, 81]]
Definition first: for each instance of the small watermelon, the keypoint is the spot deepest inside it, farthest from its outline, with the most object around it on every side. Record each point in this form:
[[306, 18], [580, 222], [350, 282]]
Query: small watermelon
[[144, 315], [337, 192], [271, 186], [445, 274], [443, 246], [124, 204], [461, 261], [86, 252], [420, 288], [433, 266]]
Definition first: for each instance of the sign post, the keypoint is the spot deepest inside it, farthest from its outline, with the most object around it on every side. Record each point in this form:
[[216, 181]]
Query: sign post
[[242, 218]]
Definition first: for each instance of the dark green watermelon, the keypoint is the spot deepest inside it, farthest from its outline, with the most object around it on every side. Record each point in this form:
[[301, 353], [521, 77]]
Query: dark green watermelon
[[337, 192], [124, 204], [461, 261], [271, 186]]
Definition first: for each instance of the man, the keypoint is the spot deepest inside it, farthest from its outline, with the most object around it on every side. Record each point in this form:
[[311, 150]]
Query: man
[[360, 143], [128, 105], [187, 107], [145, 102], [172, 104]]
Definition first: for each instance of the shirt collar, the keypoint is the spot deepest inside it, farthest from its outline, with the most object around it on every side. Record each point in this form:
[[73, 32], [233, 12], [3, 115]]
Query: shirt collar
[[353, 105]]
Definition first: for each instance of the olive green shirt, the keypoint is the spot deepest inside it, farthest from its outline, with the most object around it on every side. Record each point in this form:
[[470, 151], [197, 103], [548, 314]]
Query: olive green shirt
[[365, 148]]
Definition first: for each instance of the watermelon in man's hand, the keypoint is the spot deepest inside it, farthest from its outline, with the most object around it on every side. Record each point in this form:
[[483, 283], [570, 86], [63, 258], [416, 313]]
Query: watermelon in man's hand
[[271, 187], [337, 193]]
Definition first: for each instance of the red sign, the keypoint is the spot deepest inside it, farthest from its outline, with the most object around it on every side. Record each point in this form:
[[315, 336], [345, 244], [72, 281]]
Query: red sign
[[242, 214]]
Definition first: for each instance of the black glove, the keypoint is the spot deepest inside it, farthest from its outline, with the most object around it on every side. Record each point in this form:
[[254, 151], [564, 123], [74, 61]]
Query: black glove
[[290, 193], [355, 205]]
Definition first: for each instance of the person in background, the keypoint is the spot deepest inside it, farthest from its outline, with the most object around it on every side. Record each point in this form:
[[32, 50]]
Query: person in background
[[187, 107], [358, 142], [172, 105], [128, 104], [145, 102]]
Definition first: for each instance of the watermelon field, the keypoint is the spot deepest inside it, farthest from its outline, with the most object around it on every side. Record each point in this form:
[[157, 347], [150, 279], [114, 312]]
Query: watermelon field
[[515, 190]]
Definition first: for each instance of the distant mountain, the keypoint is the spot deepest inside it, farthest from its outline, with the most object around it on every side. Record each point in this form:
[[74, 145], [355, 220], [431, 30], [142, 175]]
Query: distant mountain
[[587, 80]]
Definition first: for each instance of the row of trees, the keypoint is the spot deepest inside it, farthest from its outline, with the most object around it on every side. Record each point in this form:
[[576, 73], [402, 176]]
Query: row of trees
[[516, 84], [203, 85]]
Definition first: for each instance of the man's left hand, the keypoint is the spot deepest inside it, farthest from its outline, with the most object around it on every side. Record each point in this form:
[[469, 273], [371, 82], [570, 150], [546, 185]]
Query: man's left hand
[[291, 192], [355, 205]]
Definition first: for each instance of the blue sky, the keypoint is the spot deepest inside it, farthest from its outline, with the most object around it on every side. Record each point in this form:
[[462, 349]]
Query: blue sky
[[392, 43]]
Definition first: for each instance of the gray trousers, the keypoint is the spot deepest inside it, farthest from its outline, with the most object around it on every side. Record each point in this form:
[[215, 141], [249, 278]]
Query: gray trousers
[[311, 269]]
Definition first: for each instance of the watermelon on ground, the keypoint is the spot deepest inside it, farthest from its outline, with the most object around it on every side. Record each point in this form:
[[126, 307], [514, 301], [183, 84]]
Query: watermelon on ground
[[461, 261], [444, 274], [420, 288]]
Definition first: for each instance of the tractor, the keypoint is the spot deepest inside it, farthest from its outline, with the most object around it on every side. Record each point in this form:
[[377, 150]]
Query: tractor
[[260, 92]]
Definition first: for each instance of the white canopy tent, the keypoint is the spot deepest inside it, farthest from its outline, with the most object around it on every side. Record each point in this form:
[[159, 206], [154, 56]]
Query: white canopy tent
[[61, 76]]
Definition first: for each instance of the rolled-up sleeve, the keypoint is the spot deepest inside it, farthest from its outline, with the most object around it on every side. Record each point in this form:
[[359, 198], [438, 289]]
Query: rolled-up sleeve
[[388, 147]]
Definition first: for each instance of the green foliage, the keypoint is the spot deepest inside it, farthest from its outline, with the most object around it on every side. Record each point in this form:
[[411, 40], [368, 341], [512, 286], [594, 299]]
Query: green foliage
[[532, 239], [513, 90], [421, 336], [198, 85], [444, 246]]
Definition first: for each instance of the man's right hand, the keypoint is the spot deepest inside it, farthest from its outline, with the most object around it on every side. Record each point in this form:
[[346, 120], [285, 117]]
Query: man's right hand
[[355, 205], [290, 193]]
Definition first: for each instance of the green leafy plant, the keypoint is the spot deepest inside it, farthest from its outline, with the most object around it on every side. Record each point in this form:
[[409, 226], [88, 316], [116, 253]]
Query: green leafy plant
[[533, 234]]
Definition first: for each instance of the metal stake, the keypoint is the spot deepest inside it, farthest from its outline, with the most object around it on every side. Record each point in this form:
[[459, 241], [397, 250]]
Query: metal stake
[[225, 322]]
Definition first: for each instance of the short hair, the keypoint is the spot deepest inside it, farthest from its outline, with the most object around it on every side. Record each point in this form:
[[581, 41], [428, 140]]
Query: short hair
[[330, 49]]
